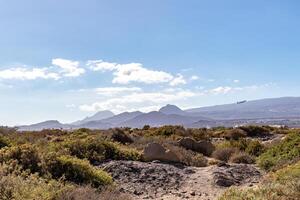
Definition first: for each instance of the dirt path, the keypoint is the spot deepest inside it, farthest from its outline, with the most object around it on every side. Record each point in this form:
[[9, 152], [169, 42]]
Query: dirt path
[[197, 186], [168, 182]]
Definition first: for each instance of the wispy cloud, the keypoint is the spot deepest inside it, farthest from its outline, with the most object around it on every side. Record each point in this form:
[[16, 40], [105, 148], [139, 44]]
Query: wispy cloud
[[142, 99], [111, 91], [23, 73], [194, 78], [61, 68]]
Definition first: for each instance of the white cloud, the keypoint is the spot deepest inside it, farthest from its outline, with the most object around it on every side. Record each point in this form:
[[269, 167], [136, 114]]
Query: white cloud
[[69, 68], [193, 78], [99, 65], [22, 73], [136, 100], [227, 89], [110, 91], [236, 81], [178, 80], [135, 72], [221, 90]]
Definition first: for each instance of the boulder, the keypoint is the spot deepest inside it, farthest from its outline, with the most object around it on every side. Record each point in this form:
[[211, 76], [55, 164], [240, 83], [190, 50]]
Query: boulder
[[155, 151], [204, 147]]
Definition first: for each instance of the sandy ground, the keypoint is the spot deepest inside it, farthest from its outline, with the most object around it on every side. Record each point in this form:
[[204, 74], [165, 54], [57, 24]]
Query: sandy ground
[[198, 185]]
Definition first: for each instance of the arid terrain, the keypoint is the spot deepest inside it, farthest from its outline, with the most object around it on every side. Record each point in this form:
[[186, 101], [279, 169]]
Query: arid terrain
[[168, 162]]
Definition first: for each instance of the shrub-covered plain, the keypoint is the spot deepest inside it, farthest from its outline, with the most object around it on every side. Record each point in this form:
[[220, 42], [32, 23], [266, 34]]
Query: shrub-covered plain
[[64, 165]]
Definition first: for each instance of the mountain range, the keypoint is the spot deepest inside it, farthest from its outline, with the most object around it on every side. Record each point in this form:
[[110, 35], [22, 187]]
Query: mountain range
[[276, 111]]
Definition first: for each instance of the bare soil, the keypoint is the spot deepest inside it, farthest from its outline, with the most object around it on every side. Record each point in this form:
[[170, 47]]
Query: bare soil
[[156, 180]]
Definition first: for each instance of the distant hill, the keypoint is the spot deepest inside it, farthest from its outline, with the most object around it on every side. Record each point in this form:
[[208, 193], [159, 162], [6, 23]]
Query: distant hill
[[276, 111], [51, 124], [120, 118], [96, 117], [172, 109], [94, 125], [158, 119], [285, 107]]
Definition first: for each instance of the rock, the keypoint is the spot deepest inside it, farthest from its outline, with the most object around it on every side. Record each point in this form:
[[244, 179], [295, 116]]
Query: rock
[[224, 181], [237, 174], [155, 151], [203, 147]]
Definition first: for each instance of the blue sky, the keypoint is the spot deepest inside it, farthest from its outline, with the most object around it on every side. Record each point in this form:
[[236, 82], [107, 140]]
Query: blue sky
[[68, 59]]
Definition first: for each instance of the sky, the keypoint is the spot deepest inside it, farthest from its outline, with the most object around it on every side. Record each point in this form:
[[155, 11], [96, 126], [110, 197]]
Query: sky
[[67, 59]]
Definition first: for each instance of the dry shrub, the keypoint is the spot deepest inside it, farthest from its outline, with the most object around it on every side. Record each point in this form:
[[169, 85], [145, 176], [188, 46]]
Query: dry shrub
[[23, 186], [188, 157], [224, 154], [235, 134], [89, 193], [241, 157], [118, 135], [79, 193], [112, 193], [256, 131], [213, 161], [141, 142]]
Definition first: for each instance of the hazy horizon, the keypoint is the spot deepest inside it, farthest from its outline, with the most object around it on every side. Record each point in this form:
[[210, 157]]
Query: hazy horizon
[[68, 60]]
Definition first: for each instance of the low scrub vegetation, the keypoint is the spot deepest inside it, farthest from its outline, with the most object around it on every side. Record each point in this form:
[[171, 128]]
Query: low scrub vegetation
[[64, 165], [77, 171], [224, 154], [241, 157], [283, 184], [281, 153]]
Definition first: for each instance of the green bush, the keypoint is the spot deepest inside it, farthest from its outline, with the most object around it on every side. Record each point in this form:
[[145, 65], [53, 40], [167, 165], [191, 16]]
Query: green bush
[[287, 173], [286, 150], [76, 170], [255, 148], [25, 155], [167, 131], [4, 142], [97, 150], [240, 144], [14, 187], [252, 147]]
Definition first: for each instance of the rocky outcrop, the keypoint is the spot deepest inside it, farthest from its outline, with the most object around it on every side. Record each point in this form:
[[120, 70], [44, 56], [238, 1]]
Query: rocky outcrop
[[204, 147], [238, 174], [155, 151]]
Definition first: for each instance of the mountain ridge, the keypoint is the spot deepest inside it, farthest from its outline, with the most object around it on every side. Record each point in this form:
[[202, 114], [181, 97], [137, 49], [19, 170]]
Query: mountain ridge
[[284, 110]]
